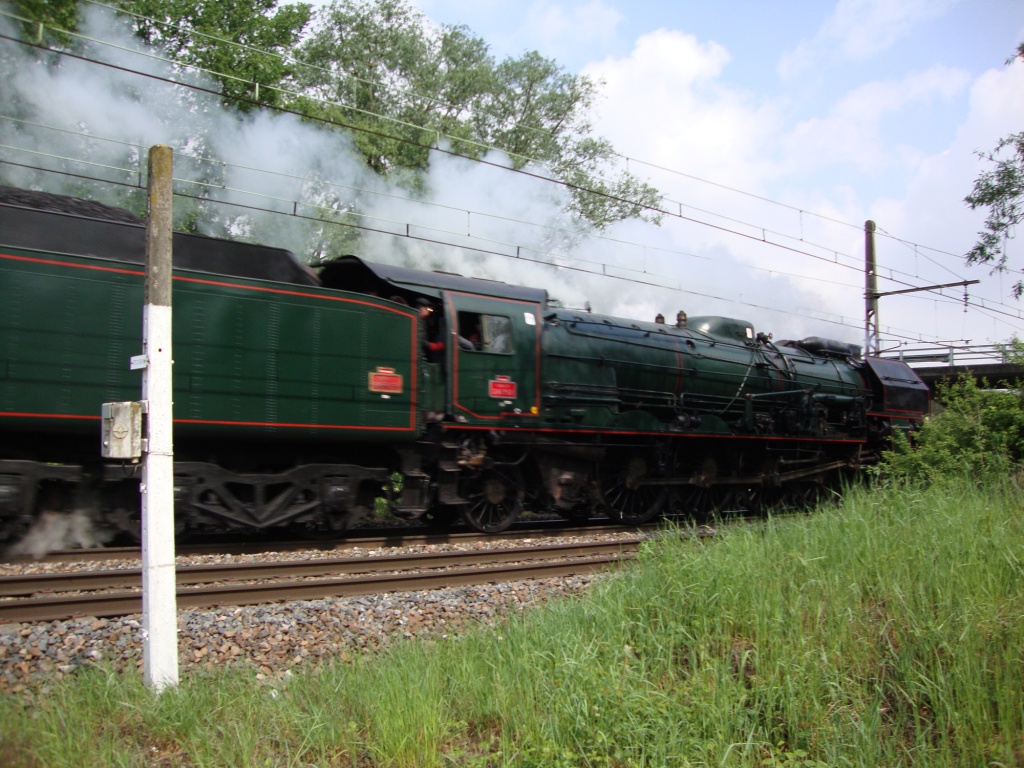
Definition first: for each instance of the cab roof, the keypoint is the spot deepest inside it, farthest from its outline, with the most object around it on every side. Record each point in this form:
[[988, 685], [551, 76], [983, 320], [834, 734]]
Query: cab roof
[[350, 273]]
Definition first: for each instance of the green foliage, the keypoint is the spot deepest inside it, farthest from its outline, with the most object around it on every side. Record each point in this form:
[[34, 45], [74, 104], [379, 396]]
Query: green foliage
[[404, 84], [370, 60], [61, 14], [203, 34], [975, 432], [1001, 190], [883, 631]]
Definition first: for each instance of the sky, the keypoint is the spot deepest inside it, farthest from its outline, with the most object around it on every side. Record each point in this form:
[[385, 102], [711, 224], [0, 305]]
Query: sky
[[774, 130], [851, 110]]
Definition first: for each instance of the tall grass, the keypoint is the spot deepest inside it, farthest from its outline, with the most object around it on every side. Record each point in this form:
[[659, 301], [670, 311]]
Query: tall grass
[[888, 630]]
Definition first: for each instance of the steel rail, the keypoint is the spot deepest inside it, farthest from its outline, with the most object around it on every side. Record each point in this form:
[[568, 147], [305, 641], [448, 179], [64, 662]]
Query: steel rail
[[528, 562], [28, 584], [402, 537]]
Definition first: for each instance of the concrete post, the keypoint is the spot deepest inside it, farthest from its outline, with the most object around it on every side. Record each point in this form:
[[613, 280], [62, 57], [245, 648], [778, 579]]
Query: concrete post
[[159, 598], [871, 330]]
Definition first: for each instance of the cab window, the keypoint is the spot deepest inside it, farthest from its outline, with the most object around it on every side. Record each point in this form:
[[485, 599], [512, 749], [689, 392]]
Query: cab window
[[485, 333]]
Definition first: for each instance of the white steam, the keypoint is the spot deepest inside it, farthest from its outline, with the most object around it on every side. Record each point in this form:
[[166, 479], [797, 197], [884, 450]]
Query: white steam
[[272, 175], [54, 530]]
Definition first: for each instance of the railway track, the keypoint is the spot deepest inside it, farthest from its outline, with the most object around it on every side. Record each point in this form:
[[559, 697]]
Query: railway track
[[57, 596], [400, 537]]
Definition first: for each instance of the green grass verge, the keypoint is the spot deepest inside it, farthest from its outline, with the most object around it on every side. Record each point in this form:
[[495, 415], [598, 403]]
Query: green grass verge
[[888, 630]]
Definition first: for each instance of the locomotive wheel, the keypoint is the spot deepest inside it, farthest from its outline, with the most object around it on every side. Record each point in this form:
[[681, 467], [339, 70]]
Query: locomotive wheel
[[623, 498], [757, 500], [495, 500]]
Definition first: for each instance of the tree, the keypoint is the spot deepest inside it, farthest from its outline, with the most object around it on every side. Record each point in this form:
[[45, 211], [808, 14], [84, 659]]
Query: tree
[[203, 34], [539, 111], [406, 87], [405, 84], [1001, 190], [59, 14], [383, 71]]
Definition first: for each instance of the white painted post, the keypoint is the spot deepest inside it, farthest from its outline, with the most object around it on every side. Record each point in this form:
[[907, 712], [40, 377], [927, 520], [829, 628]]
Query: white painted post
[[159, 598]]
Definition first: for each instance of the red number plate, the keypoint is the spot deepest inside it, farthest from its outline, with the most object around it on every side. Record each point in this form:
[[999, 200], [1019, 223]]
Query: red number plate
[[385, 381], [502, 388]]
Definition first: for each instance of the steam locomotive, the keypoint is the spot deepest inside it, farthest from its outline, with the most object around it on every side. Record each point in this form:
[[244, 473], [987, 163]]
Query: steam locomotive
[[302, 399]]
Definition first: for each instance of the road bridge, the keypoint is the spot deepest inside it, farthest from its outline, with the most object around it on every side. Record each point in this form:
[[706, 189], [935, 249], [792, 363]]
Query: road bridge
[[936, 362]]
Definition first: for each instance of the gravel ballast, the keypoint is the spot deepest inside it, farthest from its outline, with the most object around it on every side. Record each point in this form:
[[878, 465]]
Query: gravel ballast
[[274, 638]]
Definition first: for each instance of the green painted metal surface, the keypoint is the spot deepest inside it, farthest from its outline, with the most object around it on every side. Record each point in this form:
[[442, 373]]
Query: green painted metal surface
[[251, 357], [610, 373], [493, 358]]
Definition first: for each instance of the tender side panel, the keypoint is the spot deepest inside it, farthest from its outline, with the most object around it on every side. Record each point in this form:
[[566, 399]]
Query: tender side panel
[[255, 357], [271, 357], [65, 340]]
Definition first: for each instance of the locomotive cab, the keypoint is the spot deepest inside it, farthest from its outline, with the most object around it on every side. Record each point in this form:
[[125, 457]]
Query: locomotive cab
[[493, 359], [487, 370]]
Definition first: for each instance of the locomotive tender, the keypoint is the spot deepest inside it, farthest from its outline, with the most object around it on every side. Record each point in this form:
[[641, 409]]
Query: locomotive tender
[[297, 397]]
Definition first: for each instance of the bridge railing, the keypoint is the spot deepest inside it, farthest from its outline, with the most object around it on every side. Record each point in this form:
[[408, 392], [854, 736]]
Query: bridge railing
[[946, 354]]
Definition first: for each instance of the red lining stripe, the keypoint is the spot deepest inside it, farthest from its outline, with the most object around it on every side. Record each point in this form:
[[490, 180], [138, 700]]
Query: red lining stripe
[[56, 263], [16, 415], [613, 431], [452, 319], [261, 289]]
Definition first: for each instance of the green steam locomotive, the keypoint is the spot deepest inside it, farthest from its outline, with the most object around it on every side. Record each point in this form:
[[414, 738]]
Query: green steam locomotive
[[303, 399]]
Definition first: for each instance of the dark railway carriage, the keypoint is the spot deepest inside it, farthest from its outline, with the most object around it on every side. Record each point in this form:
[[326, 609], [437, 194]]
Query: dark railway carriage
[[298, 397]]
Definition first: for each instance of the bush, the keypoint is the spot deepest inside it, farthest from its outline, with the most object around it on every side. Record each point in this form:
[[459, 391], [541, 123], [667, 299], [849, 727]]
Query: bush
[[974, 431]]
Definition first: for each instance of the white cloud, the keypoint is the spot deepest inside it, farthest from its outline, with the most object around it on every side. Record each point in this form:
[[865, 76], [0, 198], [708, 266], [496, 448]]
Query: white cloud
[[666, 101], [939, 182], [933, 212], [851, 133], [859, 29], [559, 26]]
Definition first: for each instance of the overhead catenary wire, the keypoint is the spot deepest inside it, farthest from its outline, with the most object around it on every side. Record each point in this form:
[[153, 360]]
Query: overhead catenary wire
[[427, 203], [559, 262], [801, 312], [557, 259], [764, 232], [604, 272], [404, 198], [626, 158], [758, 234], [674, 211]]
